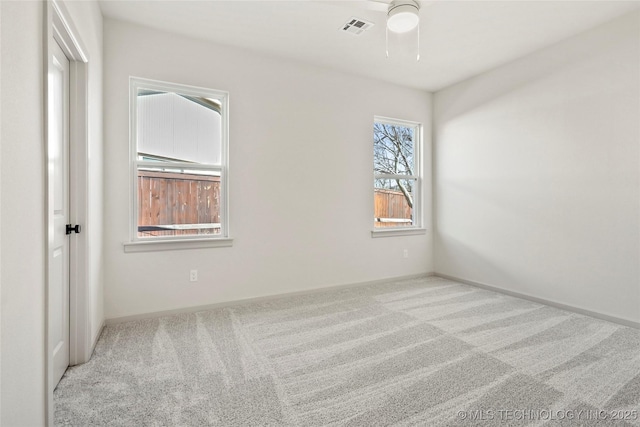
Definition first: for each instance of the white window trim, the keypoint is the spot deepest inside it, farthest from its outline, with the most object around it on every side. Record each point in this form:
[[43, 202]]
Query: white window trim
[[137, 244], [417, 227], [177, 244]]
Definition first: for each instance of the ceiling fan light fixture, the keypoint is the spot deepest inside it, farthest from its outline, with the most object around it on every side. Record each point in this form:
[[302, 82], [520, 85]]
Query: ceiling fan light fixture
[[403, 16]]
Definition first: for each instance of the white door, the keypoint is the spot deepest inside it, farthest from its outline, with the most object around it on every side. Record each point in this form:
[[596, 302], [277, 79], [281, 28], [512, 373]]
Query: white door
[[59, 171]]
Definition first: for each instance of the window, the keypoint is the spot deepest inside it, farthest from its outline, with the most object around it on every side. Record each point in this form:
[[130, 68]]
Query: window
[[179, 142], [396, 175]]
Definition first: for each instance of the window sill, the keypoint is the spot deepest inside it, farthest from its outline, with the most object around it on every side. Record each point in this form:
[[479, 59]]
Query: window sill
[[175, 245], [398, 232]]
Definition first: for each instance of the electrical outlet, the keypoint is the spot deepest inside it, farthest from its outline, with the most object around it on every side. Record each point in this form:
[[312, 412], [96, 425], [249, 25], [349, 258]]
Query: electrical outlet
[[193, 276], [405, 253]]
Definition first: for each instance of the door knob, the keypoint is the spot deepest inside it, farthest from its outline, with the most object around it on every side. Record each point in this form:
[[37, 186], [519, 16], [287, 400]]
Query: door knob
[[71, 228]]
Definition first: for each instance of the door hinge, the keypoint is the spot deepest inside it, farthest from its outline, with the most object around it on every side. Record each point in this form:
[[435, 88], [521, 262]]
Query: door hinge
[[71, 228]]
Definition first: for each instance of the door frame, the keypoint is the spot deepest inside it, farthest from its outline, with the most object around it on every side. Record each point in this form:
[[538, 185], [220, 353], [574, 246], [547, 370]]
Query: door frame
[[59, 28]]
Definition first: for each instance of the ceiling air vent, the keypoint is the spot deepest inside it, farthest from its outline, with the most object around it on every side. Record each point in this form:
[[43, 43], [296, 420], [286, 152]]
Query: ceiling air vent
[[356, 26]]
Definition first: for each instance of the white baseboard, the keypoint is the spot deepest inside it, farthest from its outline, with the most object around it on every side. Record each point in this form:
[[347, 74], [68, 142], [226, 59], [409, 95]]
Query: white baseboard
[[609, 318], [156, 314]]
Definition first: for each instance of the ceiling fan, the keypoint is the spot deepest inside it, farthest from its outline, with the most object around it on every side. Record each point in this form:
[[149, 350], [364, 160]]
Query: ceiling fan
[[403, 16]]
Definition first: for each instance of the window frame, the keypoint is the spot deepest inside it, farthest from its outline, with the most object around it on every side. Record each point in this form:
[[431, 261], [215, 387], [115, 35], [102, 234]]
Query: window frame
[[417, 211], [137, 243]]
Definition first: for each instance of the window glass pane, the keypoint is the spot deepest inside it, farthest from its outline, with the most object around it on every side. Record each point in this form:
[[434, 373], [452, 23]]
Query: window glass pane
[[393, 202], [176, 203], [175, 127], [393, 149]]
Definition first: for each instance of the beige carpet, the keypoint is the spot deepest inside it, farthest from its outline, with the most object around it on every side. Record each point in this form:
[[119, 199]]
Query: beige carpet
[[428, 351]]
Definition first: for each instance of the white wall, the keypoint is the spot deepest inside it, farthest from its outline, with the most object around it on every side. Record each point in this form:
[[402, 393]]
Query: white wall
[[301, 181], [22, 211], [537, 181], [0, 217], [22, 215]]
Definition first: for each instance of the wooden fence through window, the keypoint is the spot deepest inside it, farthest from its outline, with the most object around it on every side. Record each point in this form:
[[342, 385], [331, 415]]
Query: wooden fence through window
[[166, 199], [391, 209]]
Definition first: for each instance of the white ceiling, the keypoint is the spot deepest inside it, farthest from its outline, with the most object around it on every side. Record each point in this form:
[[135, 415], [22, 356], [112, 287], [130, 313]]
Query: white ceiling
[[458, 39]]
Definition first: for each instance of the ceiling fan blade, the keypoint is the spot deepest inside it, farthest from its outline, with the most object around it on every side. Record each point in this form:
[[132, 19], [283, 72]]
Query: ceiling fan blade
[[377, 5], [373, 5]]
